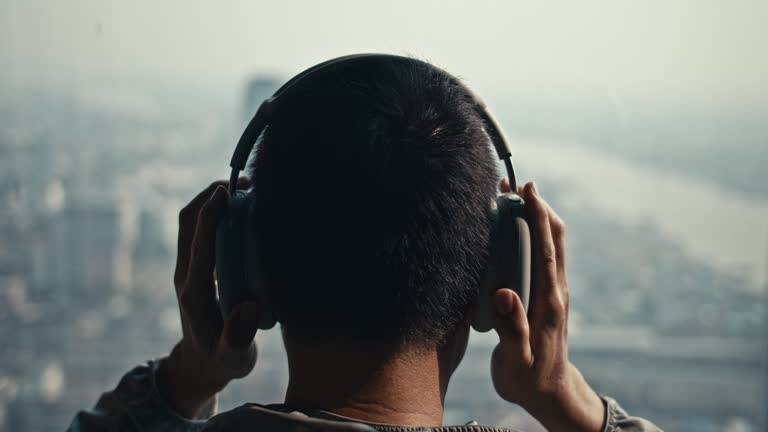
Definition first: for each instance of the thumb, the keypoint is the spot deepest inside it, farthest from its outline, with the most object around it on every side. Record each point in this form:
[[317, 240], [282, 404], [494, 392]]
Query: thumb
[[241, 325], [511, 324]]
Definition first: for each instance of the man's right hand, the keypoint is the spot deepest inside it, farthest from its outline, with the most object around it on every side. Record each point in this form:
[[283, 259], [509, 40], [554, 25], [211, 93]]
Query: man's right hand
[[530, 365], [214, 349]]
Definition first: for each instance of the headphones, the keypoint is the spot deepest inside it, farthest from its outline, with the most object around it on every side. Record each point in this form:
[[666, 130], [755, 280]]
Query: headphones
[[238, 255]]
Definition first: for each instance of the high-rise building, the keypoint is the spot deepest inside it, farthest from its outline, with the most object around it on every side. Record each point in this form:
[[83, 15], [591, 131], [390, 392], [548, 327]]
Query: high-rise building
[[151, 255], [256, 91], [82, 252]]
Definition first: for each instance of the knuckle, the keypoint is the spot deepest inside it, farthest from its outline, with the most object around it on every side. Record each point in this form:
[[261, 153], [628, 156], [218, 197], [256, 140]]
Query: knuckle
[[553, 321], [549, 256], [183, 298], [555, 308], [557, 305], [558, 225], [186, 301]]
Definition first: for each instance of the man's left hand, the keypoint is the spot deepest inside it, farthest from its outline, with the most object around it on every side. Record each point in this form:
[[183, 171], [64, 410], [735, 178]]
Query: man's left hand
[[214, 349]]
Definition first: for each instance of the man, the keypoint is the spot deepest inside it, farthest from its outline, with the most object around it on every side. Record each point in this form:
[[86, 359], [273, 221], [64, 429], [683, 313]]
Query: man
[[374, 218]]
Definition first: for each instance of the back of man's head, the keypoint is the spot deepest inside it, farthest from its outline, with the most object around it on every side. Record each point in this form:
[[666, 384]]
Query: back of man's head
[[373, 191]]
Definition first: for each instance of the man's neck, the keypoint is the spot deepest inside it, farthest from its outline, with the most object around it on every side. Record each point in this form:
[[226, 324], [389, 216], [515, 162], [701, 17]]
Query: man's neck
[[369, 383]]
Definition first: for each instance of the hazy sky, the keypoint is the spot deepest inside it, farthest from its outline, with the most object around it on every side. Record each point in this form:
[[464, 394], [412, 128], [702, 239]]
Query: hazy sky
[[691, 46]]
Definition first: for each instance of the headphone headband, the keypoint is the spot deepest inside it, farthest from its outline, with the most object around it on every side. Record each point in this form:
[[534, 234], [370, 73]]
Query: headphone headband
[[267, 109]]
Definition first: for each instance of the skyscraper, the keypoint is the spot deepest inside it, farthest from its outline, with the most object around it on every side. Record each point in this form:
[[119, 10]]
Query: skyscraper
[[256, 91], [82, 248]]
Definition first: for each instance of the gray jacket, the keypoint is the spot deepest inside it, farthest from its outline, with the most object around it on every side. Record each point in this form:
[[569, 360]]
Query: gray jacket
[[136, 405]]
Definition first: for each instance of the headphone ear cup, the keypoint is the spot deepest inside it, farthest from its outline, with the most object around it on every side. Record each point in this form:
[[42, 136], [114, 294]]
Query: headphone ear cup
[[509, 260], [229, 260], [256, 284], [237, 268]]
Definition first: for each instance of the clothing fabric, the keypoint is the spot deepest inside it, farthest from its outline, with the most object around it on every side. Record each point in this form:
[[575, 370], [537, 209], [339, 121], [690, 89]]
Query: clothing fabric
[[136, 405]]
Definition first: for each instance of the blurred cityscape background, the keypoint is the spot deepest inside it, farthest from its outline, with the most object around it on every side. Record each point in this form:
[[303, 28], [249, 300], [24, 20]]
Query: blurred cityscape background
[[660, 175]]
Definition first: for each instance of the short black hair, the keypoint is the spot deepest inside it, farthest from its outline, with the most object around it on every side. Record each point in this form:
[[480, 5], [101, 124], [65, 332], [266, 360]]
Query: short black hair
[[374, 192]]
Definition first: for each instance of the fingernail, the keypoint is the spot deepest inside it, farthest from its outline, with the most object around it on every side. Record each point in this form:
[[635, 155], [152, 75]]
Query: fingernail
[[534, 189], [505, 305]]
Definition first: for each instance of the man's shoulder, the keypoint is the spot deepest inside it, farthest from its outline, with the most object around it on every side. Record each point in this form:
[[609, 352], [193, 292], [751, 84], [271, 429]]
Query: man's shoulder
[[258, 417], [278, 419]]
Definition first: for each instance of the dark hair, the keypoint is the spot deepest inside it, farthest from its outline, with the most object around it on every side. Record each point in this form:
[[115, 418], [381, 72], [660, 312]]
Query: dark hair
[[374, 190]]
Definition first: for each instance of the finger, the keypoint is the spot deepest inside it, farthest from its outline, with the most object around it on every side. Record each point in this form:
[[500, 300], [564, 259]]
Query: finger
[[547, 308], [557, 226], [511, 325], [243, 183], [199, 296], [504, 185], [187, 224], [237, 351], [241, 325]]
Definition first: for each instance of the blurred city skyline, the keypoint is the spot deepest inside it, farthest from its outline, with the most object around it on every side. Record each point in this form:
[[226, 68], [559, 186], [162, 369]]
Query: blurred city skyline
[[665, 294]]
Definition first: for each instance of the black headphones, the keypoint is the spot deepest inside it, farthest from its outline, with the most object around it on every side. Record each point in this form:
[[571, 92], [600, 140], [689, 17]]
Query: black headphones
[[238, 260]]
